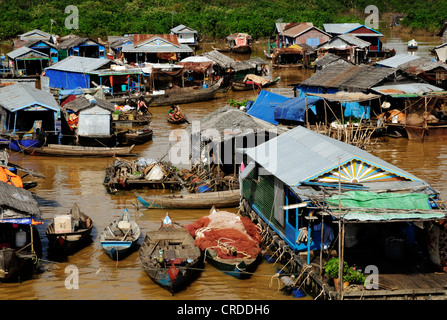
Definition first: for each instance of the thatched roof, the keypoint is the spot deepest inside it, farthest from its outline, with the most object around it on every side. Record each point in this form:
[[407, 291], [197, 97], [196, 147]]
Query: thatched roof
[[351, 78], [17, 200]]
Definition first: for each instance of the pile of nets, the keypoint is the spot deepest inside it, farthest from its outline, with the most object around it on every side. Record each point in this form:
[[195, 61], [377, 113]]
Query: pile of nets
[[228, 234]]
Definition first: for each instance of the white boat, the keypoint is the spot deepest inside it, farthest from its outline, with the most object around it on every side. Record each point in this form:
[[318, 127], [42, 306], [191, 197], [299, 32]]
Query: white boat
[[412, 44]]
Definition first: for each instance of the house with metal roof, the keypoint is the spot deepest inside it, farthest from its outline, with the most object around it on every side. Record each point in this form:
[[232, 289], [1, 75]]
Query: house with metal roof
[[360, 31], [155, 48], [27, 62], [396, 61], [22, 105], [81, 47], [74, 72], [185, 35], [302, 166], [302, 33], [44, 46], [347, 46]]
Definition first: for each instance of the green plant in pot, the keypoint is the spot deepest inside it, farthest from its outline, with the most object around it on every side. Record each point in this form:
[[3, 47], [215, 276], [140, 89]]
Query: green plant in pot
[[354, 276], [331, 268]]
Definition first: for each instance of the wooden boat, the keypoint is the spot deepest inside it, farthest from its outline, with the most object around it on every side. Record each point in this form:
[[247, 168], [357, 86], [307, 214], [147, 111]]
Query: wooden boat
[[224, 243], [184, 95], [429, 132], [61, 150], [219, 199], [120, 238], [253, 82], [239, 42], [179, 121], [135, 137], [68, 233], [170, 258]]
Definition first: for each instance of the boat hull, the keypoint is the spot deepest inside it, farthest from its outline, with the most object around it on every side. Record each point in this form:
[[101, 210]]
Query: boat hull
[[68, 243], [220, 199], [239, 268], [429, 133], [118, 250], [15, 266], [79, 151], [180, 263]]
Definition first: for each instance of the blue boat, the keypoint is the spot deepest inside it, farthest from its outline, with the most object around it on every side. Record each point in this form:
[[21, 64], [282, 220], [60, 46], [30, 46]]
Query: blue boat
[[120, 238]]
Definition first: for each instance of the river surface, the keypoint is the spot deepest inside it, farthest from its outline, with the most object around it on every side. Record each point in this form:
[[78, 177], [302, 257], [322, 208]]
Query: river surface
[[77, 180]]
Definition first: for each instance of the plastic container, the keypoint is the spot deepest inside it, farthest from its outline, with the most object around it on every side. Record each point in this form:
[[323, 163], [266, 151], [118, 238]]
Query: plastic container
[[62, 224], [20, 238], [123, 87]]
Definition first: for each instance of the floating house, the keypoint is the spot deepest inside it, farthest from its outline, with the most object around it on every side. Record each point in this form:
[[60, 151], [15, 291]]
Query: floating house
[[186, 35], [347, 46], [316, 193], [81, 47], [87, 121], [74, 72], [376, 49], [28, 62], [116, 44], [155, 48], [44, 46], [26, 114], [301, 33], [239, 42]]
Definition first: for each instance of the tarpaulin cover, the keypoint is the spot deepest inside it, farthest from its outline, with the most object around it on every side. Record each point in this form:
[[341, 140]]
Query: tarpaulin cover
[[28, 221], [294, 109], [386, 201], [367, 199], [67, 80], [264, 106]]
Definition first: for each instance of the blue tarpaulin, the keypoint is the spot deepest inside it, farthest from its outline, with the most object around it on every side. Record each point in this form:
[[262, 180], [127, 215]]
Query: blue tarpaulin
[[354, 109], [264, 106], [67, 80], [295, 109]]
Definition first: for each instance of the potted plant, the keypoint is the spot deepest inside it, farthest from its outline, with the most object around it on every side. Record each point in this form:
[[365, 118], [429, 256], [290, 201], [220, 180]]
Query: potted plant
[[354, 276], [331, 268], [116, 114]]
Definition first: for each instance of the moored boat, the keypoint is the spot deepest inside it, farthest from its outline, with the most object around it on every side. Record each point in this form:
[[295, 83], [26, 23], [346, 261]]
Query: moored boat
[[220, 199], [412, 44], [170, 257], [120, 238], [252, 81], [230, 242], [134, 137], [61, 150], [69, 232]]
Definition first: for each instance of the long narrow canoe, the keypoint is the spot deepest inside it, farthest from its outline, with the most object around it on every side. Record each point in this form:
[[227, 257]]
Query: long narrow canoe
[[219, 199], [61, 150]]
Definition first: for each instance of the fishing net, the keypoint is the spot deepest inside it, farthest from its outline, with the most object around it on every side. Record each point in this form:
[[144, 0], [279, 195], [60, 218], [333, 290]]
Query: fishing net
[[228, 234]]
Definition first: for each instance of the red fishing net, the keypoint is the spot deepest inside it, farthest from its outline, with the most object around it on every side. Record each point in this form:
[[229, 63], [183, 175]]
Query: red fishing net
[[227, 234]]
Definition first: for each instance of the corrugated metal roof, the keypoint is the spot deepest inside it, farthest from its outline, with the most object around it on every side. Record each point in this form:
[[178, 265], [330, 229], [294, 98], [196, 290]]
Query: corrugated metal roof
[[25, 50], [19, 96], [79, 64], [182, 48], [183, 29], [36, 33], [18, 199], [82, 102], [346, 39], [300, 155], [340, 28], [407, 88], [352, 78], [397, 60]]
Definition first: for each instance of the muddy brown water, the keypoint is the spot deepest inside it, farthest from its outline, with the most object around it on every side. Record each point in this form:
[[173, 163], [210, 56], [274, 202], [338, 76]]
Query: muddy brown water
[[74, 180]]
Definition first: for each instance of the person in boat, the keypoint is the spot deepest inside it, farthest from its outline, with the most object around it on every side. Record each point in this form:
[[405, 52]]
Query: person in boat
[[142, 107], [175, 113]]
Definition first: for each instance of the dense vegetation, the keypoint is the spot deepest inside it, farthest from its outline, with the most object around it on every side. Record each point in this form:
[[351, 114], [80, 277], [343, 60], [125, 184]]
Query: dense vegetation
[[214, 19]]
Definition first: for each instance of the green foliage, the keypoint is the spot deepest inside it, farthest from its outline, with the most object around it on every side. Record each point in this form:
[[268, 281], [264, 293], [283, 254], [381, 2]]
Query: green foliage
[[215, 19], [350, 274]]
